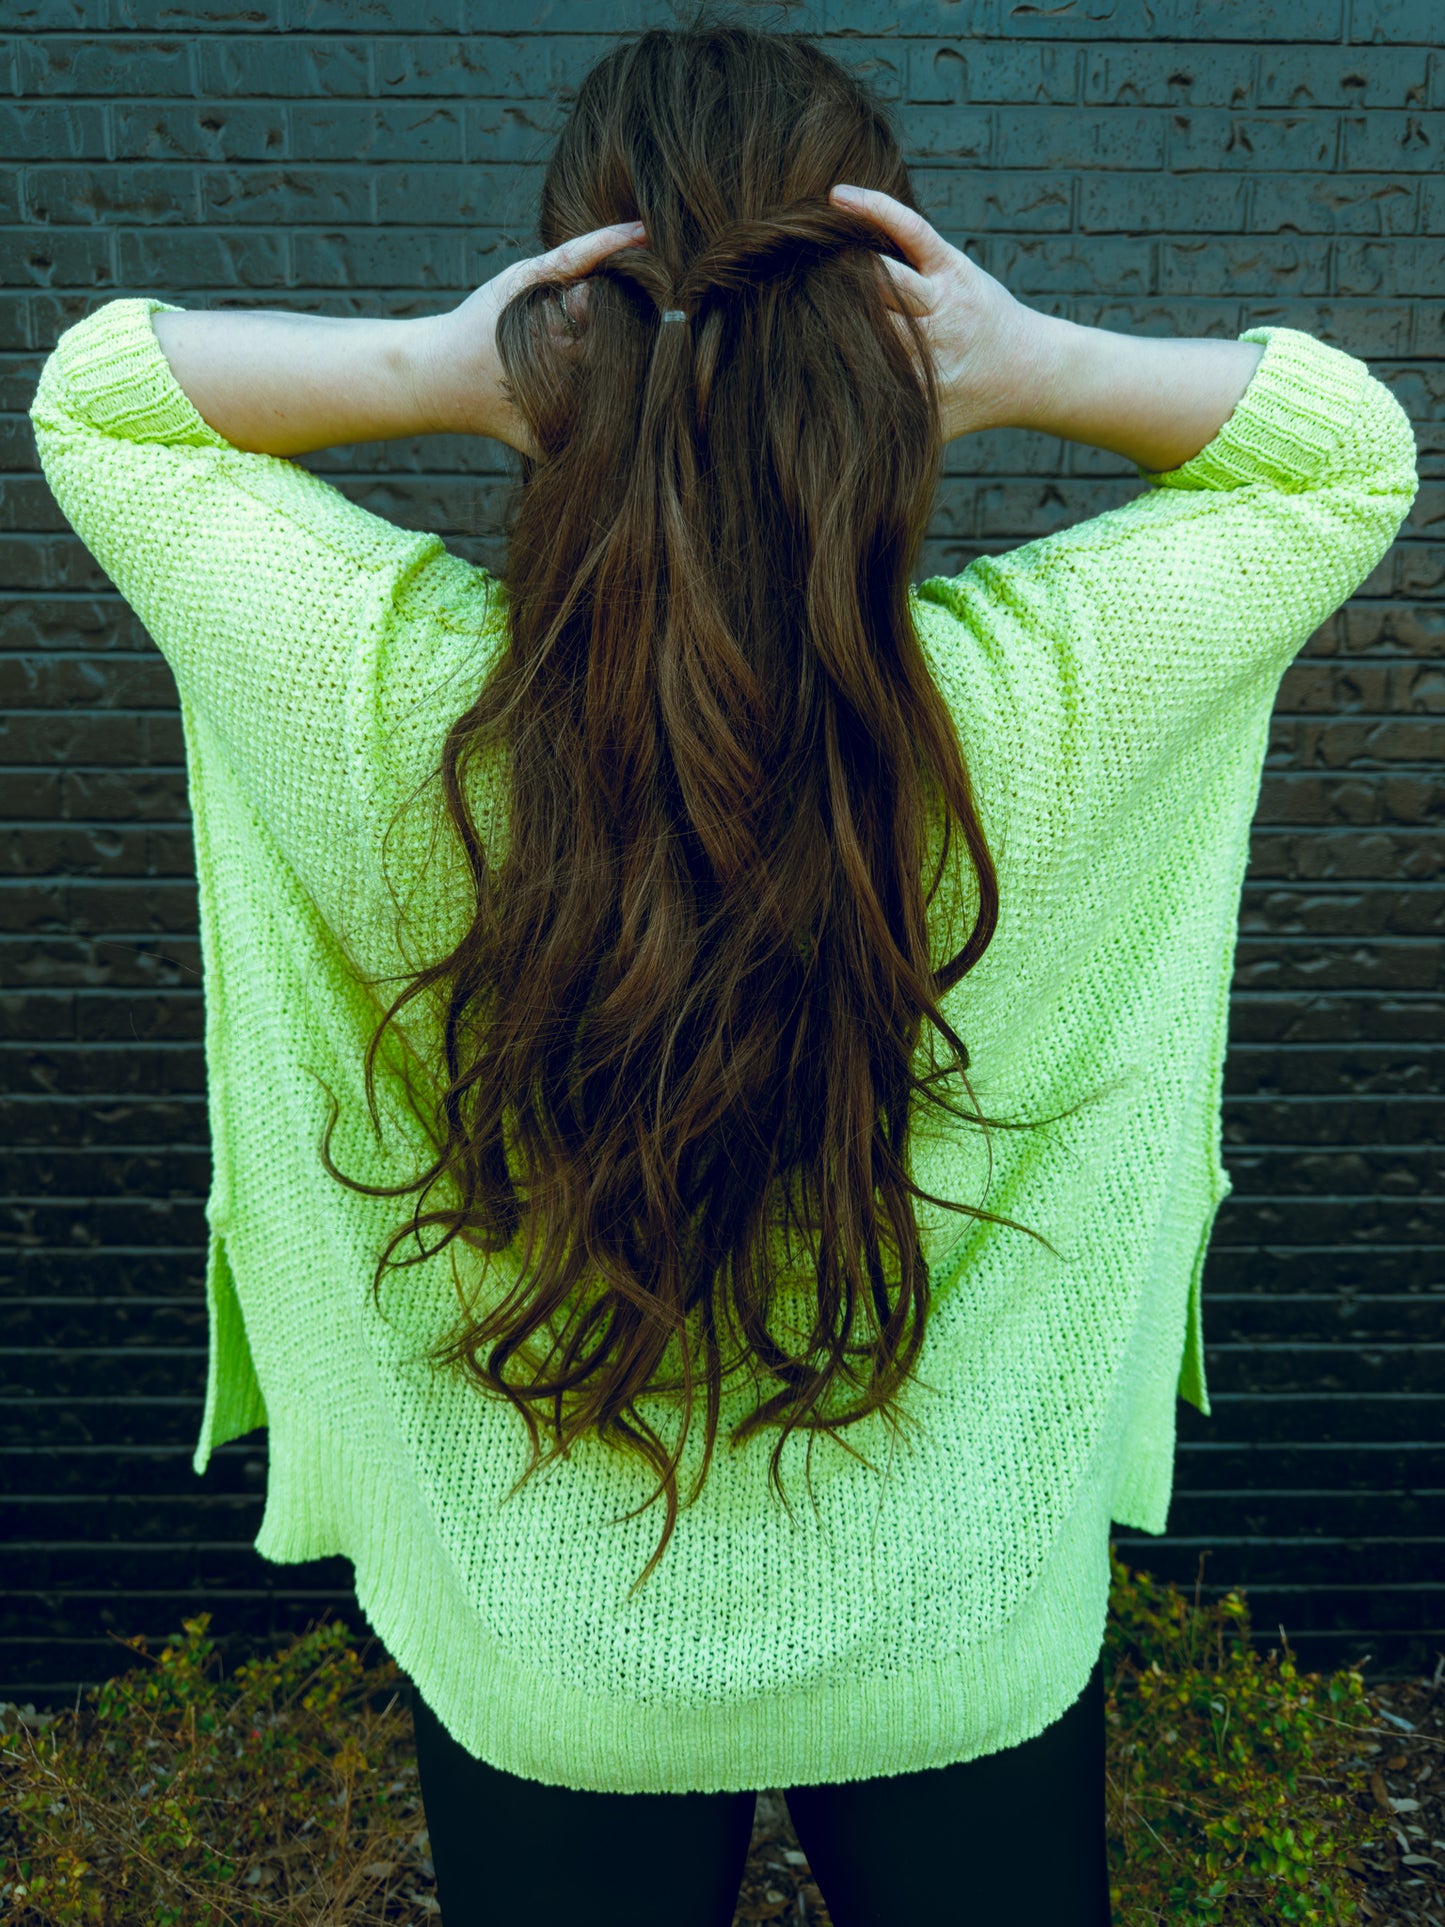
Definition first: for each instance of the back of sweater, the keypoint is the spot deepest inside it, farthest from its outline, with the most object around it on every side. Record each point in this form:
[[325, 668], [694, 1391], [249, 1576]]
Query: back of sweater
[[1112, 685]]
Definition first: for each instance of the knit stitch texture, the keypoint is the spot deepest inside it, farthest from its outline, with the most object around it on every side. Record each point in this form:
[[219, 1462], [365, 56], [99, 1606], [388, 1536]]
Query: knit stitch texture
[[1112, 685]]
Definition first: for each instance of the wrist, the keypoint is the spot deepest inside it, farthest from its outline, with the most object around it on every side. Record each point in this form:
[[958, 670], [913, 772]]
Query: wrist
[[424, 367], [1044, 351], [451, 395]]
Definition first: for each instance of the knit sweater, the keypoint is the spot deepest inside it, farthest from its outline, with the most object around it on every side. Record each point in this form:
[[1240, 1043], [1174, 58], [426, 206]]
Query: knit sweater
[[1112, 684]]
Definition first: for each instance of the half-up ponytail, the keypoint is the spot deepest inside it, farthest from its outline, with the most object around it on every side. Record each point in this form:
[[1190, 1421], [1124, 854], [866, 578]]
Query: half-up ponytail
[[685, 1018]]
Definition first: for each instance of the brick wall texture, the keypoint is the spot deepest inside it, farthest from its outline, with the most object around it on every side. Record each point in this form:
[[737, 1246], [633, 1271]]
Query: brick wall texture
[[1167, 168]]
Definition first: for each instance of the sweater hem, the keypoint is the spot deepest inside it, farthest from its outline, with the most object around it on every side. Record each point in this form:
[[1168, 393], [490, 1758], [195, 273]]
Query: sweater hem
[[857, 1727]]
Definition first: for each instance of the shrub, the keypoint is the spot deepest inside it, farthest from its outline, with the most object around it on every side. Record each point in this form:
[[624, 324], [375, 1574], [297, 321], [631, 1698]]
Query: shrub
[[178, 1799], [1234, 1791], [175, 1797]]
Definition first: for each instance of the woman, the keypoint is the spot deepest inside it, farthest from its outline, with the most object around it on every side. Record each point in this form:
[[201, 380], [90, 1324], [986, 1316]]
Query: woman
[[690, 773]]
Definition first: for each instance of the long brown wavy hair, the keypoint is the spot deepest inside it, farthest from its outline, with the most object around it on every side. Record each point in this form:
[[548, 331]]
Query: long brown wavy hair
[[687, 1008]]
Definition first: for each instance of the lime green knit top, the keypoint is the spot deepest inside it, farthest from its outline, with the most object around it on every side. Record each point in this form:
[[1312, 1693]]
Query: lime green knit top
[[1112, 685]]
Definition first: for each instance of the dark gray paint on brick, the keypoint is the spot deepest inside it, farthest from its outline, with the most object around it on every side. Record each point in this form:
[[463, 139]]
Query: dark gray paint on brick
[[1140, 172]]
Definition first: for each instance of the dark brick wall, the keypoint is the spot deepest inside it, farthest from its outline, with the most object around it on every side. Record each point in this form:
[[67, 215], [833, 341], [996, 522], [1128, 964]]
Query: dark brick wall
[[1145, 171]]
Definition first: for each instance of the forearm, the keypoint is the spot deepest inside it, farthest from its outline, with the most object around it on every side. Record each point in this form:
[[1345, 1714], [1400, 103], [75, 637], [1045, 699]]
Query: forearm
[[284, 384], [1154, 401]]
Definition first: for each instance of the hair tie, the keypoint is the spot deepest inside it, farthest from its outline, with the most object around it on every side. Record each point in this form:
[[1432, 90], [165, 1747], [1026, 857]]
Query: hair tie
[[674, 314]]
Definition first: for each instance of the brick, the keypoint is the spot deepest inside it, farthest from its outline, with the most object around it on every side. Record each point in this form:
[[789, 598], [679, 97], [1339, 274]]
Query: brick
[[82, 682], [1413, 630], [140, 796], [384, 16], [53, 133], [1244, 266], [378, 131], [174, 16], [114, 69], [60, 257], [1390, 267], [552, 16], [68, 623], [380, 258], [19, 372], [1020, 201], [479, 68], [76, 737], [1337, 204], [1418, 571], [1263, 20], [93, 1072], [116, 1176], [1396, 22], [75, 958], [130, 1518], [1319, 1268], [289, 66], [28, 564], [62, 1275], [1333, 686], [301, 196], [1340, 743], [141, 1474], [83, 1374], [480, 195], [1050, 137], [1307, 969], [1392, 75], [1035, 269], [149, 260], [58, 16], [1171, 76], [136, 195], [163, 1017], [1253, 143], [96, 1425], [989, 72], [1385, 910], [205, 131], [953, 134], [92, 849], [1369, 1121], [1162, 204], [1399, 143], [520, 132]]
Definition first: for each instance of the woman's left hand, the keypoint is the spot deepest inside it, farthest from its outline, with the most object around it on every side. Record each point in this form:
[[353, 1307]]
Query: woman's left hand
[[457, 369]]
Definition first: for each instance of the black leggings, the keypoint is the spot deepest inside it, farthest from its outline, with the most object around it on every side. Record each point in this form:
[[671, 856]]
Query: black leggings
[[1016, 1836]]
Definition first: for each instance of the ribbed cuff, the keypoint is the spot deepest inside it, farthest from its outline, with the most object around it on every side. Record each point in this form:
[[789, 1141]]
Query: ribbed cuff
[[1287, 423], [117, 378]]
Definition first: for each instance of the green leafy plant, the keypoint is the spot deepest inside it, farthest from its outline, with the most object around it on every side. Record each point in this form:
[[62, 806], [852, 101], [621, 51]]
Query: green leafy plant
[[1234, 1789]]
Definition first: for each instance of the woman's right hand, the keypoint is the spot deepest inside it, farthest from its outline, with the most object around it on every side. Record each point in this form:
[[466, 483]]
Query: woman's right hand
[[984, 341]]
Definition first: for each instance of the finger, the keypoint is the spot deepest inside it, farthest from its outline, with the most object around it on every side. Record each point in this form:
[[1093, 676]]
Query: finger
[[581, 254], [921, 246], [906, 290]]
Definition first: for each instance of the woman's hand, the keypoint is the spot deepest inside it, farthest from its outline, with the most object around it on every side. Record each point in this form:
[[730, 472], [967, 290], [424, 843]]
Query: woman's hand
[[460, 382], [985, 342]]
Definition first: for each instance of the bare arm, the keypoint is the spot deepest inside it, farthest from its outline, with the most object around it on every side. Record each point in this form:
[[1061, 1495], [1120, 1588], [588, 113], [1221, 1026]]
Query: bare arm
[[1156, 402], [284, 384]]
